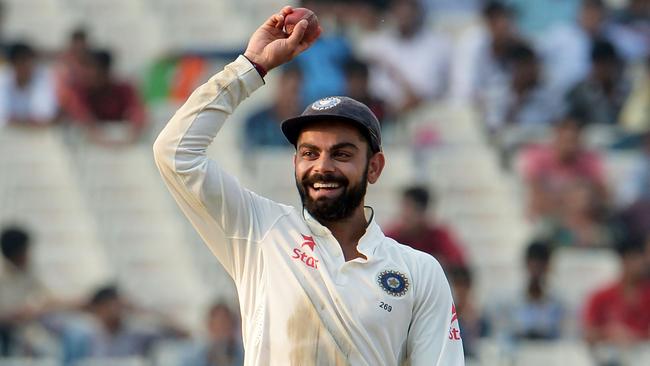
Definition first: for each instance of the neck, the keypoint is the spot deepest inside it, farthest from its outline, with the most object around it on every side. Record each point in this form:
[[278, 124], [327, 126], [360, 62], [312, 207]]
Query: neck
[[348, 232]]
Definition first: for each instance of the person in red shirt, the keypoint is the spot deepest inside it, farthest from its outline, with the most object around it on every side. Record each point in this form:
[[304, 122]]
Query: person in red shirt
[[101, 100], [619, 313], [550, 169], [416, 229]]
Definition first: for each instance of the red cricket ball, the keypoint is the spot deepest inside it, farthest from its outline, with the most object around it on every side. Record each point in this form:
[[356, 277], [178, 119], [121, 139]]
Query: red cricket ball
[[297, 15]]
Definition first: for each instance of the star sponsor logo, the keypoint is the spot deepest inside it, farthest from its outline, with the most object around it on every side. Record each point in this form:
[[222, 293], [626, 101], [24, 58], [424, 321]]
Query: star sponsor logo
[[303, 255], [308, 241], [454, 331], [325, 103], [393, 282]]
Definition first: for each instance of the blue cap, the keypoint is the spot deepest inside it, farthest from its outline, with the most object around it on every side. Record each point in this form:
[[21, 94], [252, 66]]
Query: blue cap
[[339, 109]]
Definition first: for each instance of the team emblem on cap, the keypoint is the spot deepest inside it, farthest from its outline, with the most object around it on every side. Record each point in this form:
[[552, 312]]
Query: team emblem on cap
[[325, 103], [393, 282]]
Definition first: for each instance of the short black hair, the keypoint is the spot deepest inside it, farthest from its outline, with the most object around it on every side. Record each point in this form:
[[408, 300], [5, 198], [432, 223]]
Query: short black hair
[[603, 50], [354, 66], [103, 59], [539, 250], [629, 244], [79, 34], [460, 275], [600, 4], [419, 195], [104, 294], [493, 9], [521, 52], [19, 51], [14, 241]]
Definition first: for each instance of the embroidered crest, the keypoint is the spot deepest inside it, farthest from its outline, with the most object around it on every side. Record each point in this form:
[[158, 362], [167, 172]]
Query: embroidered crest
[[325, 103], [393, 282]]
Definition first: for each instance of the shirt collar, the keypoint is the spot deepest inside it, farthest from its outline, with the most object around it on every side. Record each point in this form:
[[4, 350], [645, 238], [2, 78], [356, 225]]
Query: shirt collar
[[367, 243]]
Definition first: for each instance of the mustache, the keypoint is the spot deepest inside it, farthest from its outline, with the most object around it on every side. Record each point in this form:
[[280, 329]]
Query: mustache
[[325, 178]]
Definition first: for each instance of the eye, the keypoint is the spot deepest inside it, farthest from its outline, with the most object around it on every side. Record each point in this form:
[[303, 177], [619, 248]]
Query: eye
[[342, 155], [309, 154]]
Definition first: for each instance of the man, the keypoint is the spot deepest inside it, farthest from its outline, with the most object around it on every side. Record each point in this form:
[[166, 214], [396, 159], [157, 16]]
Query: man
[[415, 229], [101, 100], [322, 286], [23, 298], [550, 169], [409, 65], [27, 91], [619, 313], [262, 127], [534, 313]]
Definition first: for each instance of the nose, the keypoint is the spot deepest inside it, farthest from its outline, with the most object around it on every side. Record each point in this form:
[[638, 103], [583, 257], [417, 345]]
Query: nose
[[324, 164]]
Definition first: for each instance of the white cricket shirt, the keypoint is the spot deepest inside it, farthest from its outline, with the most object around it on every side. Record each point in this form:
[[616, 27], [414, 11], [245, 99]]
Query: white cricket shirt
[[301, 303]]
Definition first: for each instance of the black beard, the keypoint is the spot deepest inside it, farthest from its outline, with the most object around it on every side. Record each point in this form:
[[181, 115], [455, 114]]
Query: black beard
[[337, 208]]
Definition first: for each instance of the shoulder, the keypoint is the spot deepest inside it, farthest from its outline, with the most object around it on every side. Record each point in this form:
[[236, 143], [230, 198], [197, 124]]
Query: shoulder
[[604, 294], [424, 268]]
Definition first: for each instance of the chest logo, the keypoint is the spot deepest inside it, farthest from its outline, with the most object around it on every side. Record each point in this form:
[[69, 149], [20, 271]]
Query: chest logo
[[393, 282], [308, 241], [304, 255]]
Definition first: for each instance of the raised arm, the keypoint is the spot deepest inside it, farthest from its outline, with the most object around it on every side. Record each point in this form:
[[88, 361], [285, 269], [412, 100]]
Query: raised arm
[[229, 218]]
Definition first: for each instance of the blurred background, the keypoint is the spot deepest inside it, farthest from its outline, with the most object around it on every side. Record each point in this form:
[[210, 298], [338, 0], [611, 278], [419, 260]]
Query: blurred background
[[517, 136]]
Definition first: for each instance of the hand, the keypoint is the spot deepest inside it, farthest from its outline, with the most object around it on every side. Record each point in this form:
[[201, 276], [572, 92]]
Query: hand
[[270, 46]]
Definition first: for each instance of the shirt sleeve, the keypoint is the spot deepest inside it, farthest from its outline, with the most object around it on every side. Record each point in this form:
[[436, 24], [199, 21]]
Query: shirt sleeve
[[231, 219], [434, 336]]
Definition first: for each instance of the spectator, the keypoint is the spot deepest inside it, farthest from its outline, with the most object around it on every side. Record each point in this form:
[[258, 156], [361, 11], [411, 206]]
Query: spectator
[[565, 48], [23, 298], [27, 92], [534, 313], [548, 170], [414, 228], [108, 329], [470, 321], [481, 54], [356, 81], [409, 64], [101, 100], [523, 101], [69, 66], [323, 64], [619, 313], [262, 128], [600, 97], [223, 346]]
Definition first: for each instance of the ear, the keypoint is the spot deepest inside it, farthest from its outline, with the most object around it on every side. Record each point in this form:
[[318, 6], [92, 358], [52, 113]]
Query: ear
[[375, 167]]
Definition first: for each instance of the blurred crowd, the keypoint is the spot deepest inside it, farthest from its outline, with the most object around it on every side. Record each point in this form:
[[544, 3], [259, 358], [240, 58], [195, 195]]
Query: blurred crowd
[[544, 76]]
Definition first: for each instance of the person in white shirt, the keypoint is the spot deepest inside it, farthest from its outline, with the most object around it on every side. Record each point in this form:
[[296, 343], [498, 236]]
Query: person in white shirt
[[27, 92], [321, 285], [409, 64]]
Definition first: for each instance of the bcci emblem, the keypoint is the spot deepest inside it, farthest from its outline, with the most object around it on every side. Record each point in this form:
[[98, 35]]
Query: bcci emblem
[[325, 103], [393, 282]]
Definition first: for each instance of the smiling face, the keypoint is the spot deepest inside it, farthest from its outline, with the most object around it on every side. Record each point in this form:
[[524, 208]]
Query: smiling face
[[333, 166]]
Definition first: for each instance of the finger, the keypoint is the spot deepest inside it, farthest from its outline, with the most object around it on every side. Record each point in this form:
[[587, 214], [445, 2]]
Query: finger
[[279, 21], [273, 21], [296, 36], [286, 10]]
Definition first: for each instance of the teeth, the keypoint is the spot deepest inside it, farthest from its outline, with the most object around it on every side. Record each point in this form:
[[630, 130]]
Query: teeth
[[326, 185]]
